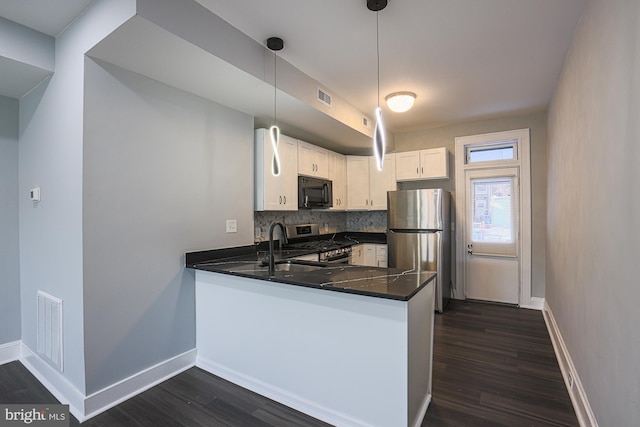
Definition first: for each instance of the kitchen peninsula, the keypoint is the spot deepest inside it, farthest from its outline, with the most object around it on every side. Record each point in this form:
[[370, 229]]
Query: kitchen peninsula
[[349, 345]]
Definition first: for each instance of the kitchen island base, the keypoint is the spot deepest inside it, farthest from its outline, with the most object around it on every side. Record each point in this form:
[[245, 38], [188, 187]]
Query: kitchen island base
[[347, 359]]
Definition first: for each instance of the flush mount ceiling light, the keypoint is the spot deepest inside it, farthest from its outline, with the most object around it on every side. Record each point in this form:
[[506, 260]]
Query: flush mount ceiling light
[[379, 144], [275, 44], [399, 102]]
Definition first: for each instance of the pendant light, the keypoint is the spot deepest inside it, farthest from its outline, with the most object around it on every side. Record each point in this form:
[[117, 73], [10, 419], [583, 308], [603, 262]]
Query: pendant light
[[275, 44], [379, 143]]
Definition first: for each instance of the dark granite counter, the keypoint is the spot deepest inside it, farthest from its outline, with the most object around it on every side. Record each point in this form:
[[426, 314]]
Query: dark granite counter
[[245, 261]]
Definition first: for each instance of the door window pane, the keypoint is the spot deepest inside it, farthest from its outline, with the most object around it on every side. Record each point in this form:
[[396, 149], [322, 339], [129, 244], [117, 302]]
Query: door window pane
[[493, 211]]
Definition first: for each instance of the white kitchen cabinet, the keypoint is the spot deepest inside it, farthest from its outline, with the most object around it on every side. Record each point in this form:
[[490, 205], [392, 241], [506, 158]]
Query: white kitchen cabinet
[[312, 160], [338, 176], [366, 186], [381, 181], [424, 164], [381, 256], [358, 183], [275, 193], [369, 254], [357, 255]]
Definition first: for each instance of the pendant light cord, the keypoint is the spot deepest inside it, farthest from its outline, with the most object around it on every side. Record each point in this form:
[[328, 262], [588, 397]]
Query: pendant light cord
[[275, 88], [378, 55]]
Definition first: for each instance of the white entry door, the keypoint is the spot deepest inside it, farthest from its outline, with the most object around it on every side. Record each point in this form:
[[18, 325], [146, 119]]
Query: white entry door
[[493, 211], [492, 264]]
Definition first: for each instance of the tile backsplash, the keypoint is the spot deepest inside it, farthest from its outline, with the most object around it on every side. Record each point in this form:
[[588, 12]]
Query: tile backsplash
[[329, 221]]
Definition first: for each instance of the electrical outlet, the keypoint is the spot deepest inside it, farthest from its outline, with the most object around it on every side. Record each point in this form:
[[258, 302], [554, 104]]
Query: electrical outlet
[[258, 233], [232, 226]]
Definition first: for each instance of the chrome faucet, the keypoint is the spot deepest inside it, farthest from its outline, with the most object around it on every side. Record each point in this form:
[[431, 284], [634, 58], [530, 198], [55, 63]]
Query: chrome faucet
[[284, 241]]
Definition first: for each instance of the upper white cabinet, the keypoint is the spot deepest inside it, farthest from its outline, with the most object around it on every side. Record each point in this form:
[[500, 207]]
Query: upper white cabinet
[[424, 164], [366, 186], [358, 183], [338, 176], [312, 160], [381, 181], [276, 193]]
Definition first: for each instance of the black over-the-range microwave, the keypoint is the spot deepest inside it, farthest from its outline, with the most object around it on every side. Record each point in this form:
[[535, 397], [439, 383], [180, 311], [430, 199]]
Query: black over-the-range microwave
[[314, 193]]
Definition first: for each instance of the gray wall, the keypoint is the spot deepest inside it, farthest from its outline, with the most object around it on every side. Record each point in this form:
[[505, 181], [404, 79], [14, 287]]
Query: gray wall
[[594, 205], [50, 150], [163, 171], [445, 137], [9, 237]]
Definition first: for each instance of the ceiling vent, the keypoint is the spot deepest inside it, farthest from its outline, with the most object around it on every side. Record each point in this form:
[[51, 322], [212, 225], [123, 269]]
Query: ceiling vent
[[325, 97]]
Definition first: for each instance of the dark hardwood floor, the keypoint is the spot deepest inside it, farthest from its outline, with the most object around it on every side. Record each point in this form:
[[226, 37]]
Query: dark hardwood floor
[[493, 366]]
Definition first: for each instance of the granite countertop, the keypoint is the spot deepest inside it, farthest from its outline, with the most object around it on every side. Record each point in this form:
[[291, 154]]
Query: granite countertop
[[246, 261]]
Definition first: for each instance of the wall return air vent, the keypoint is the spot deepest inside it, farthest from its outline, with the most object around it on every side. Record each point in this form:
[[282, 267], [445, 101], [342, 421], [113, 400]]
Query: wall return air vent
[[49, 329], [324, 97]]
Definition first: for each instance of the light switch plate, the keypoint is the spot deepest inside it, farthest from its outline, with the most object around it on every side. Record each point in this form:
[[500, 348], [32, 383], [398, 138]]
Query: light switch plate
[[232, 226]]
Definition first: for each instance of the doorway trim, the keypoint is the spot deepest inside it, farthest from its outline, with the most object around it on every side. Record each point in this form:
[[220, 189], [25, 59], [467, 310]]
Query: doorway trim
[[523, 162]]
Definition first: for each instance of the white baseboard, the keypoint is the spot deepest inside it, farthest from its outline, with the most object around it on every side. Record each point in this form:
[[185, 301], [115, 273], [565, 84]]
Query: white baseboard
[[579, 399], [54, 381], [114, 394], [84, 407], [279, 395], [423, 411], [10, 352], [535, 303]]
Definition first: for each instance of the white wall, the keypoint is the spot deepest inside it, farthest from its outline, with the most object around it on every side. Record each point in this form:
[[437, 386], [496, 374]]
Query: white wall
[[9, 239], [593, 204], [163, 171], [445, 137], [51, 124]]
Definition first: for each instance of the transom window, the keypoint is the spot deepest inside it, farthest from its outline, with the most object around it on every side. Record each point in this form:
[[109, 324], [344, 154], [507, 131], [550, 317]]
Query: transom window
[[492, 153]]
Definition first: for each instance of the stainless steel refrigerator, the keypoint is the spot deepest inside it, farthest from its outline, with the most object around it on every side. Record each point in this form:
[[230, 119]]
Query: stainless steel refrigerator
[[419, 237]]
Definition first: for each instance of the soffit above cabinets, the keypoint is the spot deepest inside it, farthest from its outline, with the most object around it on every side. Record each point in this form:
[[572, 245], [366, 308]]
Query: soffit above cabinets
[[207, 57]]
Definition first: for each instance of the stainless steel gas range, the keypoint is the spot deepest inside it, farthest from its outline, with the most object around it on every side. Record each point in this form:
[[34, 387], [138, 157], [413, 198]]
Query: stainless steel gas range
[[329, 251]]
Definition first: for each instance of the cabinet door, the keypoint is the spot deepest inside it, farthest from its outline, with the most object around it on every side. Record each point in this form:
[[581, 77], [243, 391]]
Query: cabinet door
[[338, 175], [357, 255], [434, 163], [381, 181], [358, 182], [288, 185], [275, 193], [321, 162], [370, 255], [306, 162], [408, 166], [381, 256]]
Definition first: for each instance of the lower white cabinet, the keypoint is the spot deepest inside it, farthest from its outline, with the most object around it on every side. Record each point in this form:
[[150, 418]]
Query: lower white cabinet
[[369, 254]]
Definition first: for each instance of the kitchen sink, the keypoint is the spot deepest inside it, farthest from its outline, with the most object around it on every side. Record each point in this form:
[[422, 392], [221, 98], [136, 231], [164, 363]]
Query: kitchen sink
[[298, 266]]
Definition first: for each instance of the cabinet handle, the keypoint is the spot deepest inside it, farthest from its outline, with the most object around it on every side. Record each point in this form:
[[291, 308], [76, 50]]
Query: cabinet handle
[[417, 171], [285, 199], [422, 169], [280, 199]]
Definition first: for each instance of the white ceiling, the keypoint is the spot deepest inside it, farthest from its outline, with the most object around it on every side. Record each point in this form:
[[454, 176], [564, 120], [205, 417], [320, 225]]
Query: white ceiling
[[47, 16], [466, 59]]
